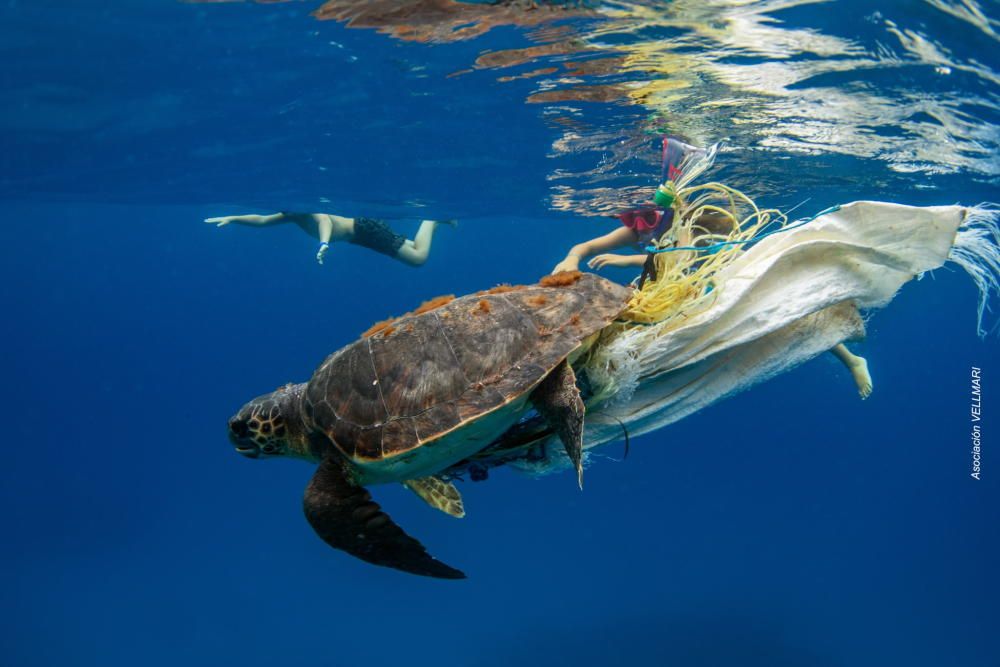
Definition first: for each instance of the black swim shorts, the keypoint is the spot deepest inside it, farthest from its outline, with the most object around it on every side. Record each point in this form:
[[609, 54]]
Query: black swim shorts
[[377, 236]]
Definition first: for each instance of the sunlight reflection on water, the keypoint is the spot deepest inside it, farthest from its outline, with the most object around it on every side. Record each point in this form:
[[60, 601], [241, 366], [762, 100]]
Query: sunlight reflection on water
[[888, 92]]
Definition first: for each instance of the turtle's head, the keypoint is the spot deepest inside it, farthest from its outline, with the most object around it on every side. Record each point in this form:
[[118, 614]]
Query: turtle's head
[[270, 425]]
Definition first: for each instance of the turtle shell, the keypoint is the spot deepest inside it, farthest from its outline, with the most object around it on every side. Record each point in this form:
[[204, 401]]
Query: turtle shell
[[428, 374]]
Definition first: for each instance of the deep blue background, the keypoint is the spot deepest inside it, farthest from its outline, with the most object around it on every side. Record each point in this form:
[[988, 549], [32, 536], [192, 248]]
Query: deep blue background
[[792, 525]]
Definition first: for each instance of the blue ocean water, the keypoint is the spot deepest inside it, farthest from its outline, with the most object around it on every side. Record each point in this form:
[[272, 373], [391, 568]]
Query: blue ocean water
[[790, 525]]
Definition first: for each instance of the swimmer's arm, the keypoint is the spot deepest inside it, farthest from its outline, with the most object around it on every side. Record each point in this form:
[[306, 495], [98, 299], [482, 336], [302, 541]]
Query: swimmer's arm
[[604, 260], [623, 236], [324, 227], [250, 220]]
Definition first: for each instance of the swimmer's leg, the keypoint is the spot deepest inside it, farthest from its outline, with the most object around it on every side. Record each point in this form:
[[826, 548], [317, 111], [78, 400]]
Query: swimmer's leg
[[415, 252], [858, 367]]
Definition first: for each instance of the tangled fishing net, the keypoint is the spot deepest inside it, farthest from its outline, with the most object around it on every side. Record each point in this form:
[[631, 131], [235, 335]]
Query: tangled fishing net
[[742, 294], [711, 227], [730, 310]]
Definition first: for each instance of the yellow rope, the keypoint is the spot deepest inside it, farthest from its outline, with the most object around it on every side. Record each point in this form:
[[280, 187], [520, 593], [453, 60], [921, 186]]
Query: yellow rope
[[684, 283]]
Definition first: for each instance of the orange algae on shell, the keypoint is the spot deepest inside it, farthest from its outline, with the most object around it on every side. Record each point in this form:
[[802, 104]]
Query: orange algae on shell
[[538, 301], [378, 326], [425, 307], [432, 304], [561, 279], [502, 289]]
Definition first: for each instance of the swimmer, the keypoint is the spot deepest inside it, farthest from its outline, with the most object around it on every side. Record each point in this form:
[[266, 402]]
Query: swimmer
[[641, 227], [368, 232]]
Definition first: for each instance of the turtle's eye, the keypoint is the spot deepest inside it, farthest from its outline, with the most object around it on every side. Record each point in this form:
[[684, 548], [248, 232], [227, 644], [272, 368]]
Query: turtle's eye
[[239, 428]]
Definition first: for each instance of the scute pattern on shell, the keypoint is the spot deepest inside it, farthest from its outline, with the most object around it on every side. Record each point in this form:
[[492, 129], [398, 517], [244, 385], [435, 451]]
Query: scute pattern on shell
[[385, 395]]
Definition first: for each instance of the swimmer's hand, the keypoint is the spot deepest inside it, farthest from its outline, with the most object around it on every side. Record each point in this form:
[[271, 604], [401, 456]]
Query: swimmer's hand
[[602, 261], [571, 263], [221, 221], [321, 253]]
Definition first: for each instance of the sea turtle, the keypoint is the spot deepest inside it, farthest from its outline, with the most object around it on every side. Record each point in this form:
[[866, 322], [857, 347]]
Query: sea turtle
[[419, 393]]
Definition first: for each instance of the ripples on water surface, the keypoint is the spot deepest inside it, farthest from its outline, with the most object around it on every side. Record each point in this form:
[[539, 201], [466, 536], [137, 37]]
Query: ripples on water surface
[[917, 94], [812, 98]]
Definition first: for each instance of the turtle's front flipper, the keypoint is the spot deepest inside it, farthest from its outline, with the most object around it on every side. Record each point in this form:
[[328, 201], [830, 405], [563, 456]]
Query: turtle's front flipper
[[558, 400], [439, 494], [346, 517]]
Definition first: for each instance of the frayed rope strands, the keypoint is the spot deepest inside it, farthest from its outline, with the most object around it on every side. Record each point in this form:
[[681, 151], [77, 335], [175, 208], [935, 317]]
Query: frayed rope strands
[[685, 273], [977, 250]]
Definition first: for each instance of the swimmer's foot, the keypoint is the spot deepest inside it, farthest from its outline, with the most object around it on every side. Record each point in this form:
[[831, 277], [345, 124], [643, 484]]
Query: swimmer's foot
[[859, 370]]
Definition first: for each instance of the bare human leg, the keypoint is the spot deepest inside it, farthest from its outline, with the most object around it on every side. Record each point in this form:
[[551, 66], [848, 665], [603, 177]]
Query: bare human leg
[[415, 252], [858, 367]]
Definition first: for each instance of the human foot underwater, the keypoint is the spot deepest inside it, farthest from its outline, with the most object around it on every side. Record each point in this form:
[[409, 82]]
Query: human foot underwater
[[366, 232]]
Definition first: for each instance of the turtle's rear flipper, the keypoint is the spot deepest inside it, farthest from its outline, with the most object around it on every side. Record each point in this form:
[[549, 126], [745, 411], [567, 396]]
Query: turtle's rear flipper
[[558, 400], [346, 517], [439, 494]]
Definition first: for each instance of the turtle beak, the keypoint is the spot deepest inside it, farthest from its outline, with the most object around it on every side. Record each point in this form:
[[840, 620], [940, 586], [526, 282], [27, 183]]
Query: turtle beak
[[245, 447], [249, 452]]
